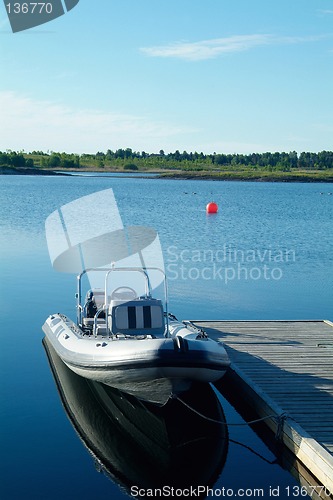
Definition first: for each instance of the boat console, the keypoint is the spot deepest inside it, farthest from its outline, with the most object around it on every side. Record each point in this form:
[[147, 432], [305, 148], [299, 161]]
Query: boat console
[[121, 311]]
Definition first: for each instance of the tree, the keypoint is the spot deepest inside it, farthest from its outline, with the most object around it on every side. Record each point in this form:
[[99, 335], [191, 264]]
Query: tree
[[54, 161], [4, 159], [177, 155], [120, 153], [17, 160], [128, 153], [67, 163], [130, 166], [29, 163]]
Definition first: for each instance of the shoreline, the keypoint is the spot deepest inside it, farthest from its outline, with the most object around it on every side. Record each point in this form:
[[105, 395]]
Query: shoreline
[[182, 175], [4, 170], [271, 177]]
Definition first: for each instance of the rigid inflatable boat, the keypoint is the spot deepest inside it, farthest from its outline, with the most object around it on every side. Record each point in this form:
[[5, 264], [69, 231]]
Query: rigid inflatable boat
[[128, 340]]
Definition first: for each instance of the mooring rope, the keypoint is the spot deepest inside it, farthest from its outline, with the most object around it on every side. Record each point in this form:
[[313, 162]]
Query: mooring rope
[[259, 455], [280, 419]]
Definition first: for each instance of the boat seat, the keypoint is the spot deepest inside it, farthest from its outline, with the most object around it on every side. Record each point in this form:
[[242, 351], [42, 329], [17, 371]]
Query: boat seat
[[89, 322], [137, 317]]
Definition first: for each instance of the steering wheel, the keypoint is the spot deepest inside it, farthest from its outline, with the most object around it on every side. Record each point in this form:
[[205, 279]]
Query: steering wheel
[[124, 293]]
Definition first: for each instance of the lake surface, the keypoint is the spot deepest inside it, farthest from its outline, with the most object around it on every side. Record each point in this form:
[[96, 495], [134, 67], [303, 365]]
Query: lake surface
[[267, 254]]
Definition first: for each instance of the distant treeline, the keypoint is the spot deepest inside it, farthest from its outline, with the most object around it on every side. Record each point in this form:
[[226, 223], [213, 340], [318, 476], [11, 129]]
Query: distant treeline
[[39, 159], [132, 160], [279, 161], [14, 159]]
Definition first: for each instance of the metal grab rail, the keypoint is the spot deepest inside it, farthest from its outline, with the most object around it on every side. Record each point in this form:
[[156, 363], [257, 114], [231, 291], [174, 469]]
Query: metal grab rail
[[101, 309], [108, 271]]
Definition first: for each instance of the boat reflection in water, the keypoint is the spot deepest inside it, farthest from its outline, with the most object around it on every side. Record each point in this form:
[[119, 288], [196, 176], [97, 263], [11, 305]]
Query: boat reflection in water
[[141, 445]]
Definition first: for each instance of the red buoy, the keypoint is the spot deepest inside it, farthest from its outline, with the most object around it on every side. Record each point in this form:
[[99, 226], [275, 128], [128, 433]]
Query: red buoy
[[212, 208]]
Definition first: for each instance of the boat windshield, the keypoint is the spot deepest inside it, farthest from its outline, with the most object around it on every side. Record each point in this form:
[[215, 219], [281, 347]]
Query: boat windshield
[[118, 284]]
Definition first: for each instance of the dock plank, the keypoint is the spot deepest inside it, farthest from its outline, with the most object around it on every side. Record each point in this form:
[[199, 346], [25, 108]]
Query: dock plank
[[286, 367]]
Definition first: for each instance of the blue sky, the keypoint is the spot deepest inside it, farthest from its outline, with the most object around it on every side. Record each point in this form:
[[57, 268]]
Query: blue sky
[[228, 76]]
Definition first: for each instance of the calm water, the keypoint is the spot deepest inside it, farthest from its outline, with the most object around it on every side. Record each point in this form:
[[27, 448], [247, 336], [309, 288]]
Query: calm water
[[267, 254]]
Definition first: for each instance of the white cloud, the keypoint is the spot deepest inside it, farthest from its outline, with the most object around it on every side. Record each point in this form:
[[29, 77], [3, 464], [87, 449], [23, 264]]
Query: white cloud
[[29, 124], [207, 49], [210, 49], [325, 12]]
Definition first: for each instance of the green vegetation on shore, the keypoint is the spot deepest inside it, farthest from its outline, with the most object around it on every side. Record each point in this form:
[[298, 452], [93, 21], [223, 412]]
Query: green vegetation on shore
[[305, 167]]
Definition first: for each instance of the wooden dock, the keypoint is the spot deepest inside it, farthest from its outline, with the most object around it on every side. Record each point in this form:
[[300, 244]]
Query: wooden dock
[[284, 371]]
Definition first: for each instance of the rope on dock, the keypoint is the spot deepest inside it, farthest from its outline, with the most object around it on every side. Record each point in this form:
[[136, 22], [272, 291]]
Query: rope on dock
[[280, 420]]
